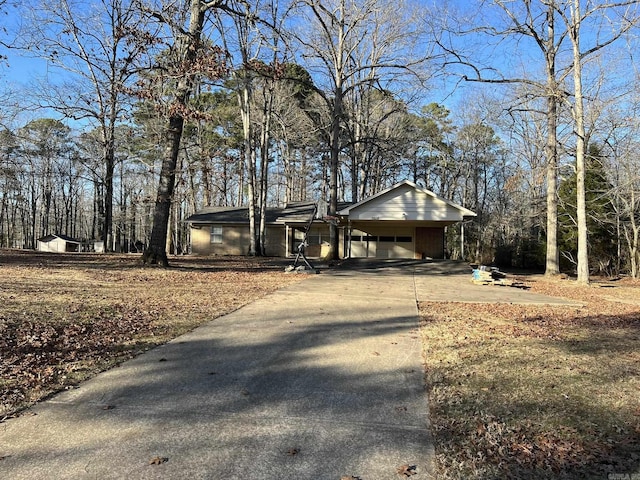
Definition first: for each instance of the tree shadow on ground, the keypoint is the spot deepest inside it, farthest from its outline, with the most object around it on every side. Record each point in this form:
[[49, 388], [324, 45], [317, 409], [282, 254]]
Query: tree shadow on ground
[[247, 396], [382, 266]]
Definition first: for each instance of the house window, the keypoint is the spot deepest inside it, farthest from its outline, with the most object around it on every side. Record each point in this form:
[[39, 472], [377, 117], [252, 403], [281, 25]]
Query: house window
[[216, 234], [314, 237]]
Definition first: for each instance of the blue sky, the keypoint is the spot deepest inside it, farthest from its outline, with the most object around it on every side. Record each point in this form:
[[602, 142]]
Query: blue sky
[[21, 71], [513, 59], [17, 70]]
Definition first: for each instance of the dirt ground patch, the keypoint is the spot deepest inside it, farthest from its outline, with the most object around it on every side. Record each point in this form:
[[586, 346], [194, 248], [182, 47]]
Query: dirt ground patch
[[536, 392], [66, 317]]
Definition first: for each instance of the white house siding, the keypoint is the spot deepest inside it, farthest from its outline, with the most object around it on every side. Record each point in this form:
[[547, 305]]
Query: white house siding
[[56, 245], [405, 204]]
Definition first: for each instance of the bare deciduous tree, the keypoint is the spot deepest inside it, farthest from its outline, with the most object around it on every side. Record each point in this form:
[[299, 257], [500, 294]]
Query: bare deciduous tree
[[188, 58], [355, 44], [618, 18], [535, 21], [88, 42]]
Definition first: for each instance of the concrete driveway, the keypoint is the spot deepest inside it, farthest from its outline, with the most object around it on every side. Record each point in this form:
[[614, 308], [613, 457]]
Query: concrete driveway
[[448, 281], [318, 381], [322, 380]]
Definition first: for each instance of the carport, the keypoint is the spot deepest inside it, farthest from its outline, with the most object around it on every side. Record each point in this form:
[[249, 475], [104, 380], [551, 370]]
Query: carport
[[404, 221]]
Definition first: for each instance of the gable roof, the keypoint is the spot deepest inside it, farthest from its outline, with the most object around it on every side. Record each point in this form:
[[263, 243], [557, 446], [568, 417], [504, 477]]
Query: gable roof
[[296, 212], [407, 188], [51, 237], [220, 215], [403, 201]]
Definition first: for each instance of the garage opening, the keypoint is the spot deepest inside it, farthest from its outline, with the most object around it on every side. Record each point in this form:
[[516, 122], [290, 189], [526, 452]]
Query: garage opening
[[376, 244], [430, 242]]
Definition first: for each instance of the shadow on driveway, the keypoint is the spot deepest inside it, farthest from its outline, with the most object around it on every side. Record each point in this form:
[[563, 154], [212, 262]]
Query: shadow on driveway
[[446, 281], [381, 266]]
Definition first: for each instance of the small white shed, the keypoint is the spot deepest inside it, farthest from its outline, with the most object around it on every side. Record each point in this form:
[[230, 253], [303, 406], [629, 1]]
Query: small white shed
[[58, 244]]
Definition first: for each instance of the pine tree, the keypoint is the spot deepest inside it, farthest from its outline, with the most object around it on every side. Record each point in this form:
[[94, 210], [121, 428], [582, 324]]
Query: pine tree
[[602, 248]]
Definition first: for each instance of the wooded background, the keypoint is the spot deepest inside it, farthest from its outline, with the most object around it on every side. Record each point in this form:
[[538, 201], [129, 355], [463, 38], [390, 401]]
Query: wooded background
[[525, 112]]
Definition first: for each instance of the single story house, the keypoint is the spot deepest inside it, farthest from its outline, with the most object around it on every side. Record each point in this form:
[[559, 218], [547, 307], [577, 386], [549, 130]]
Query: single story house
[[58, 243], [403, 221]]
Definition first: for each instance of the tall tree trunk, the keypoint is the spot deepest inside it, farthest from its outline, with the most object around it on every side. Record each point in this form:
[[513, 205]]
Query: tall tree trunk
[[333, 171], [632, 236], [358, 166], [551, 148], [265, 140], [156, 252], [249, 156], [245, 95], [109, 162], [583, 254], [34, 206]]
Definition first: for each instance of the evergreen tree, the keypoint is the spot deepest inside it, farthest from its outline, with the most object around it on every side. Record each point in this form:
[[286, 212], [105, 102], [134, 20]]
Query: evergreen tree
[[602, 247]]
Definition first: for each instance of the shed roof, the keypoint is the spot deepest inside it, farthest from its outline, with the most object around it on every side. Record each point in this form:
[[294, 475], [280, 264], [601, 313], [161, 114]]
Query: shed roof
[[53, 236]]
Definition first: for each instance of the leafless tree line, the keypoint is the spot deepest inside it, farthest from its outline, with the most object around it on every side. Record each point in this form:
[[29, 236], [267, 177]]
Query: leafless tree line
[[180, 105]]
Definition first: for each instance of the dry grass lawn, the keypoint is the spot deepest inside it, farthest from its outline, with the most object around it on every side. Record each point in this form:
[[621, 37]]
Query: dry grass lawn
[[65, 317], [536, 392], [515, 391]]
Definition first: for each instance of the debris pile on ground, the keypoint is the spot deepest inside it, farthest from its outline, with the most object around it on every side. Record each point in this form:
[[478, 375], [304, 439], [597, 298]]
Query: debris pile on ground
[[300, 269], [485, 275]]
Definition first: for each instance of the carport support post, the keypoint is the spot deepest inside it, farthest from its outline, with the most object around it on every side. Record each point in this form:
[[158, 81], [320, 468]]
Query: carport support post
[[286, 241], [461, 240]]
